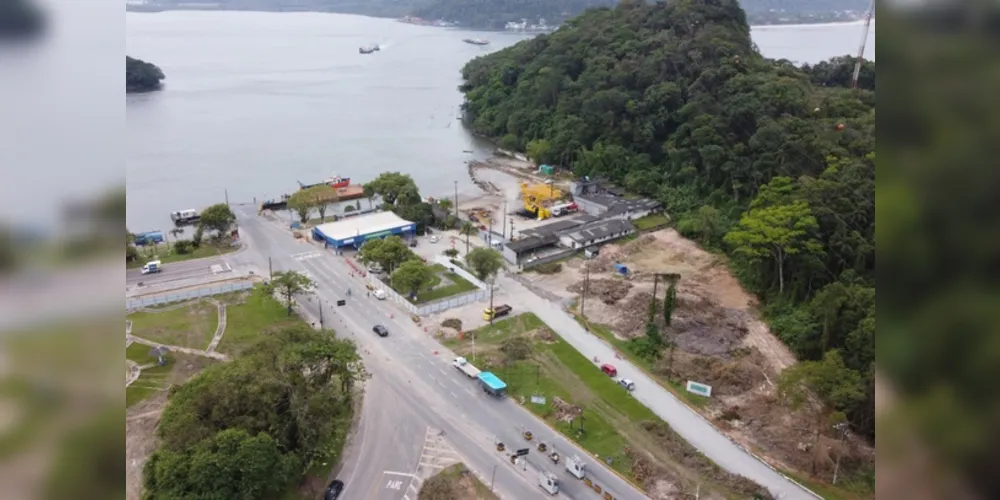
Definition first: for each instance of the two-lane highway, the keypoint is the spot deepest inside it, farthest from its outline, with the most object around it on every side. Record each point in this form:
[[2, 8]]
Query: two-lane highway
[[429, 388]]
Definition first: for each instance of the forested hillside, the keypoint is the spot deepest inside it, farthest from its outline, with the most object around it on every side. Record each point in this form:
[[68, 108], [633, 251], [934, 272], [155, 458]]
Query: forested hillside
[[494, 14], [141, 76], [770, 163]]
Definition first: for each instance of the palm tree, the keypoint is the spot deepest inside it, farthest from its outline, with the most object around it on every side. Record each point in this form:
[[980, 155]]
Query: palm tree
[[467, 229]]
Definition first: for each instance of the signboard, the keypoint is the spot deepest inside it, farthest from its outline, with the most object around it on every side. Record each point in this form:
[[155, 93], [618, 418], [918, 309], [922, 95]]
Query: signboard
[[522, 452], [699, 389], [538, 400], [341, 302]]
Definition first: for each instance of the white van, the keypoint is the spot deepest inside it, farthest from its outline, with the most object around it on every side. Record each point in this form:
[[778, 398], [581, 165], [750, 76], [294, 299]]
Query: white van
[[153, 266]]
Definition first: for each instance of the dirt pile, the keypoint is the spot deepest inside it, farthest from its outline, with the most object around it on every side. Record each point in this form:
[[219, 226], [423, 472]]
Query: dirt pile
[[609, 291], [727, 377], [565, 411]]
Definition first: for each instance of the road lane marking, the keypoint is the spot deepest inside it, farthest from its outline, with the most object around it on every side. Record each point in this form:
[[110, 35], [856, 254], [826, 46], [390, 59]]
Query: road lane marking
[[406, 474], [394, 484], [453, 395]]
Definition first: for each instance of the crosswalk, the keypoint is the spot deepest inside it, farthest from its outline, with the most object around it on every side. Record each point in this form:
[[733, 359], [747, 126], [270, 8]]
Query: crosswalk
[[307, 255]]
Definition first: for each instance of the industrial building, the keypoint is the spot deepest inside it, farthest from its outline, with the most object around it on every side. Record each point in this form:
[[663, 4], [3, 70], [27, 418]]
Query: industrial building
[[601, 199], [353, 231], [555, 240]]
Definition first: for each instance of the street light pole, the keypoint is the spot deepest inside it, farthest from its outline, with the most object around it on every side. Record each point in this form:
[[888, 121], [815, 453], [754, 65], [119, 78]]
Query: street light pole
[[493, 478], [456, 199], [320, 313]]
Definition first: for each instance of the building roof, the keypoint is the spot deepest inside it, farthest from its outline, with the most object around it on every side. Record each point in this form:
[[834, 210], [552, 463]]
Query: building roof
[[362, 225], [492, 381], [598, 230], [632, 205], [532, 242]]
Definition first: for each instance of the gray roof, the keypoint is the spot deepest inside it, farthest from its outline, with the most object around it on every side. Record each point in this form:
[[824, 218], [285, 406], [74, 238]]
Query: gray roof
[[635, 205], [598, 230], [605, 200], [532, 242], [552, 227]]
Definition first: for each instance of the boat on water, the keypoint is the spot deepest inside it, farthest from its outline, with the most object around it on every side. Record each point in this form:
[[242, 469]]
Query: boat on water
[[476, 41], [368, 49], [187, 216], [335, 182]]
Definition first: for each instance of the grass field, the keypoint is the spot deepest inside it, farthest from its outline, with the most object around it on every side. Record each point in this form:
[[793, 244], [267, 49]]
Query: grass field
[[434, 291], [149, 382], [165, 253], [650, 221], [249, 316], [614, 425], [190, 326]]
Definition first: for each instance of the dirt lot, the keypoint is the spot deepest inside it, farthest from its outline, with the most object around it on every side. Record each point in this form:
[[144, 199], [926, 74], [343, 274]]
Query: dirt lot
[[140, 426], [455, 483], [721, 340]]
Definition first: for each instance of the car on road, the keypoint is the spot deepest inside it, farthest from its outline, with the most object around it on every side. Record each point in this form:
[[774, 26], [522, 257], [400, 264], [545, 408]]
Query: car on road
[[413, 243], [153, 266], [380, 330], [434, 239], [333, 491], [609, 370], [380, 294], [626, 383]]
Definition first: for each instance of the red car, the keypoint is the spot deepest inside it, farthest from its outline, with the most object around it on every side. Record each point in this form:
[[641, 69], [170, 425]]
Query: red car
[[609, 370]]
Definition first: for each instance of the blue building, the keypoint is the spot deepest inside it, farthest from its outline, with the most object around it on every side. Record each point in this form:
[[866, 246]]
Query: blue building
[[354, 231]]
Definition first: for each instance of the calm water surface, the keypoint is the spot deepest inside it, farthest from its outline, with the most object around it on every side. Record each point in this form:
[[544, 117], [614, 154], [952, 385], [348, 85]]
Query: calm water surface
[[256, 101]]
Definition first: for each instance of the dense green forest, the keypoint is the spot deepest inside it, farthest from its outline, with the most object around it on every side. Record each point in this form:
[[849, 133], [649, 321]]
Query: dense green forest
[[494, 14], [141, 76], [768, 162]]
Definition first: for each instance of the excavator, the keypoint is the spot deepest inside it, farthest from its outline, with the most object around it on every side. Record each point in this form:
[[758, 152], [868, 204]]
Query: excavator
[[538, 197]]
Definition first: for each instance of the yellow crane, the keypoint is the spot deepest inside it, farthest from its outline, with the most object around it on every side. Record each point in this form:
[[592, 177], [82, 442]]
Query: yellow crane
[[537, 198]]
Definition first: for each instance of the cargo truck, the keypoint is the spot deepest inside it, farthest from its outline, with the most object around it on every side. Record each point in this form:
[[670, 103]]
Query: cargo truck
[[496, 312], [492, 384], [465, 367]]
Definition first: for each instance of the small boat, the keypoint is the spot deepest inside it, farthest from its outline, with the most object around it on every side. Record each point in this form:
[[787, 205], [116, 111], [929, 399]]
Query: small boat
[[335, 182], [476, 41], [368, 49], [188, 216]]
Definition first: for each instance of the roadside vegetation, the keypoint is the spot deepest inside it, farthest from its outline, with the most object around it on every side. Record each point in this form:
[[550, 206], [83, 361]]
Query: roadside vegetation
[[213, 235], [141, 76], [593, 410], [455, 483], [771, 164]]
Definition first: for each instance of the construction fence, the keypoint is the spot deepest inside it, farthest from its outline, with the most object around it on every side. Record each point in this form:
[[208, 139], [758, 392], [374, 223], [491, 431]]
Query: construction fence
[[135, 303]]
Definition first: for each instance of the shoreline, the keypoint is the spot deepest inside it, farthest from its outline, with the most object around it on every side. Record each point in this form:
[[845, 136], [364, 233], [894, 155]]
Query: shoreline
[[172, 8]]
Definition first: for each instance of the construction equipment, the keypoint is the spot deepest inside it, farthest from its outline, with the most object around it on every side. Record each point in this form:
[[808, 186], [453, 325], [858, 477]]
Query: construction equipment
[[861, 50], [538, 197]]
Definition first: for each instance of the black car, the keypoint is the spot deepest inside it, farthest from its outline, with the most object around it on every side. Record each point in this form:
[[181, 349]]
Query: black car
[[413, 243], [380, 331], [333, 490]]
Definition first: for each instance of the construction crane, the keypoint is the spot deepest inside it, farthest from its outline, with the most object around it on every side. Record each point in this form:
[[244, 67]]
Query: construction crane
[[864, 40], [537, 197]]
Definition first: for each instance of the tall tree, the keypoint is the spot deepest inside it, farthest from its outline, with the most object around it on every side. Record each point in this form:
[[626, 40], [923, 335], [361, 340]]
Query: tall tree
[[219, 218], [669, 302], [468, 229], [484, 262], [412, 275], [288, 284], [778, 232], [387, 252], [319, 197], [393, 187]]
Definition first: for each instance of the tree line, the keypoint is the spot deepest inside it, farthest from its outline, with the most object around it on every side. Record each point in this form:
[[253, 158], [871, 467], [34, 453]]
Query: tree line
[[768, 162], [253, 427], [142, 76]]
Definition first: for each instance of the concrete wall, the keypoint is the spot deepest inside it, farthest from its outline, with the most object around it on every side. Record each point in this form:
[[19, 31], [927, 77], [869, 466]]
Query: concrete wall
[[589, 207], [135, 303], [548, 258]]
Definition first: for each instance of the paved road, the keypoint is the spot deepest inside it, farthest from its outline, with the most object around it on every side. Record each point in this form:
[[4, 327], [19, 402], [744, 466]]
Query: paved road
[[690, 425], [428, 389]]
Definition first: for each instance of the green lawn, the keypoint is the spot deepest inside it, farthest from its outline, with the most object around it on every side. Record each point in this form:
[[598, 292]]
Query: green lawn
[[165, 254], [613, 420], [190, 326], [250, 315], [432, 291], [677, 388], [149, 382], [139, 353], [650, 221]]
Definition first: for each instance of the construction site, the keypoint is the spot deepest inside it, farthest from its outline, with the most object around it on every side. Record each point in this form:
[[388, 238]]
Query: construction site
[[720, 339]]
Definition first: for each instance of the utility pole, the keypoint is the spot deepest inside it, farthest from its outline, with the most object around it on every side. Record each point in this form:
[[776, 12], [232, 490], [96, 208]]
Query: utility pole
[[503, 225], [512, 228], [583, 297], [270, 271], [456, 199], [320, 314], [493, 478], [227, 196]]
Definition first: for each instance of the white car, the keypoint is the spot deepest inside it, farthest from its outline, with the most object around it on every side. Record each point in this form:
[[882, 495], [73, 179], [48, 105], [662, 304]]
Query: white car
[[380, 294], [626, 383], [434, 239]]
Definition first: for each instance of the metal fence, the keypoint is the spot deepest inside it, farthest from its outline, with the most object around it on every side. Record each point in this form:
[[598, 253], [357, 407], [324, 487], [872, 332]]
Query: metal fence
[[155, 300], [453, 301]]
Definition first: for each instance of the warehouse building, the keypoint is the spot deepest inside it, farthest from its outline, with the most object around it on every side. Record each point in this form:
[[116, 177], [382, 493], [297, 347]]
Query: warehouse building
[[596, 233], [353, 231]]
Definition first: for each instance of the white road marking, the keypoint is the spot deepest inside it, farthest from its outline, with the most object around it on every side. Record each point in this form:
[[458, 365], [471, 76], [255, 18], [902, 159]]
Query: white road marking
[[394, 484], [453, 395], [406, 474]]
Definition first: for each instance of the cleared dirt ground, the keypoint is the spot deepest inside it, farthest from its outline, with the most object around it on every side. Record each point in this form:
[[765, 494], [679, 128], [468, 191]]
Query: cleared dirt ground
[[720, 338]]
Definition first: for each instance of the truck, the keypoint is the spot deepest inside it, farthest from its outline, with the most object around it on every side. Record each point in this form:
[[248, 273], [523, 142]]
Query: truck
[[153, 266], [549, 482], [576, 467], [465, 367], [563, 209], [492, 384], [496, 312]]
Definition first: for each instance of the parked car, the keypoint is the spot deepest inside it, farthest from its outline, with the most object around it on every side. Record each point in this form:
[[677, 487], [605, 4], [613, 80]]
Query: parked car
[[434, 239], [609, 370], [380, 330], [380, 294], [413, 243], [333, 491], [626, 383]]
